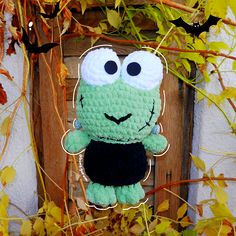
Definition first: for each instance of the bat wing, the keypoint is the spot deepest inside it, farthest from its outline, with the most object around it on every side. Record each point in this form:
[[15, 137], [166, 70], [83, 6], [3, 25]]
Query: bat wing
[[212, 20], [180, 23], [25, 39], [45, 48]]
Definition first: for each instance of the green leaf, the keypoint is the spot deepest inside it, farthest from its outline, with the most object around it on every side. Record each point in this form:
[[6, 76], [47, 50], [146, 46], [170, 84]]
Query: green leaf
[[117, 3], [26, 228], [211, 60], [220, 210], [229, 92], [216, 8], [218, 46], [199, 163], [7, 175], [162, 226], [182, 210], [200, 95], [186, 65], [206, 76], [189, 232], [113, 18], [196, 57], [221, 195], [234, 63]]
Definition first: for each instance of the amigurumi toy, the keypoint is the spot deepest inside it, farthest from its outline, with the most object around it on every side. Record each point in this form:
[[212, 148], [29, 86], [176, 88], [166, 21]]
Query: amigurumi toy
[[117, 106]]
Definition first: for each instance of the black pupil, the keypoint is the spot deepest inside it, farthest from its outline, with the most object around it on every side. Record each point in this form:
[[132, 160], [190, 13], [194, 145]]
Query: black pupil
[[110, 67], [133, 68]]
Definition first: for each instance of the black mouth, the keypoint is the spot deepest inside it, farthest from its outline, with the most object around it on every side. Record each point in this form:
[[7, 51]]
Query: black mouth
[[118, 121], [147, 123]]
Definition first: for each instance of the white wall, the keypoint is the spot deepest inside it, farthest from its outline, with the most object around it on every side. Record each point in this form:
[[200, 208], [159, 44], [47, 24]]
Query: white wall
[[212, 132], [23, 190]]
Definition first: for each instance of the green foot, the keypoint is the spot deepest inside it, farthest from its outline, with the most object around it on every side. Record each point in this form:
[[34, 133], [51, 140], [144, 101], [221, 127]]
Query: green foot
[[101, 195], [129, 194]]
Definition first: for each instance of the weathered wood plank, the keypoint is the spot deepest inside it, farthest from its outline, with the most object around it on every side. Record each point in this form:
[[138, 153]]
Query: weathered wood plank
[[51, 99]]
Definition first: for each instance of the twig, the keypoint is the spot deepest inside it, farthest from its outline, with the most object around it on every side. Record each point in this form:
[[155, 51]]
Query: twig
[[223, 86], [186, 181]]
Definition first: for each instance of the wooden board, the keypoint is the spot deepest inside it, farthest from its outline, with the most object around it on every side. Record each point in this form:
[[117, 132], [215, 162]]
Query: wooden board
[[52, 121]]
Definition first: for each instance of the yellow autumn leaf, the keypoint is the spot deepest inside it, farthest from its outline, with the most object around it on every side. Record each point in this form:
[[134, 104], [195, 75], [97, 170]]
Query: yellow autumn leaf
[[26, 228], [4, 130], [199, 163], [7, 175], [234, 63], [225, 230], [196, 57], [222, 183], [117, 3], [164, 206], [220, 210], [113, 18], [81, 204], [182, 210], [185, 221], [221, 195], [56, 213], [229, 92], [38, 227]]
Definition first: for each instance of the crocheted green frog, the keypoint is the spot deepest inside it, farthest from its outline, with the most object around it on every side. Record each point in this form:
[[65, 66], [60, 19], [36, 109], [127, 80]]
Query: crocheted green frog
[[117, 106]]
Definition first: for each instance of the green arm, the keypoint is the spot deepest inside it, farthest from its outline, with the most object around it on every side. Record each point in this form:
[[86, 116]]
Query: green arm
[[155, 143], [76, 140]]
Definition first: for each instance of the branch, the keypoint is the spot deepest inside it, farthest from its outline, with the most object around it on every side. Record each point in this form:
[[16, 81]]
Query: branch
[[188, 181], [153, 44], [223, 86]]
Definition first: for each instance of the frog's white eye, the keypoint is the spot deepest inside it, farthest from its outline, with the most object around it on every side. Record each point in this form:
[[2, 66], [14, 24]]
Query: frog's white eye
[[100, 67], [142, 70]]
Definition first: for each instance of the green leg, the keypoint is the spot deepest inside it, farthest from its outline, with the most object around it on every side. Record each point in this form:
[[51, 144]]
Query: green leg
[[129, 194], [101, 195]]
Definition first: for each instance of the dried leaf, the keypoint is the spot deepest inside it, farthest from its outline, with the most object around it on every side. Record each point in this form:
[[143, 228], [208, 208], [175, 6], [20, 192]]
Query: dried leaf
[[6, 73], [3, 95], [67, 20], [199, 163], [182, 210], [1, 43], [62, 73], [4, 129], [81, 204], [14, 32], [26, 228], [117, 3], [185, 222], [137, 229], [200, 209], [164, 206], [7, 175]]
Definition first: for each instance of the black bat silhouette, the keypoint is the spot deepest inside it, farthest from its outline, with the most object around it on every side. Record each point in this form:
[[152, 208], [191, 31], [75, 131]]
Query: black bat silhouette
[[54, 13], [196, 29], [33, 48]]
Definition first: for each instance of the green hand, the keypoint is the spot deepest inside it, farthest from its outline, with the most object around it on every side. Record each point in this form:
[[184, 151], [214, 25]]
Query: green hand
[[76, 140], [155, 143]]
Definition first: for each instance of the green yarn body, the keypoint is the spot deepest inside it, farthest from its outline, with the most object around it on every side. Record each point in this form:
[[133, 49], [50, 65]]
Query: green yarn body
[[118, 100]]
